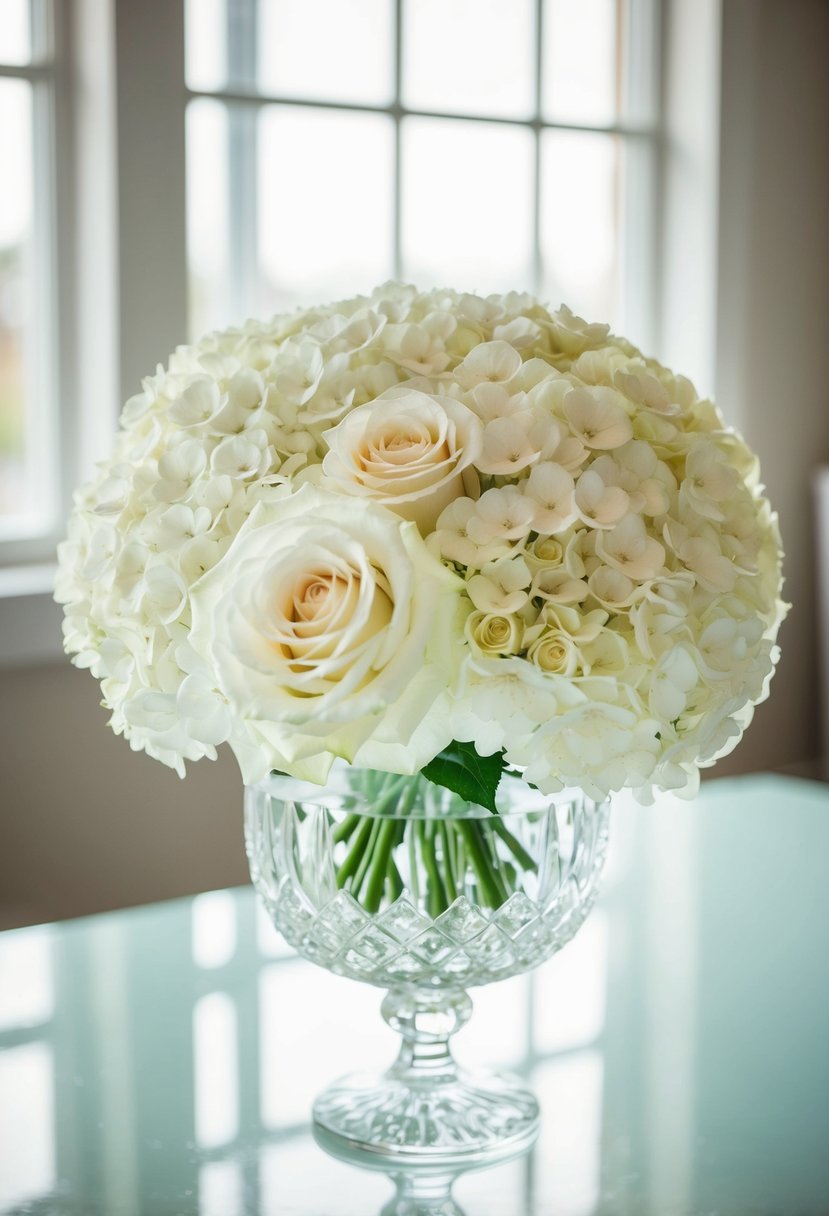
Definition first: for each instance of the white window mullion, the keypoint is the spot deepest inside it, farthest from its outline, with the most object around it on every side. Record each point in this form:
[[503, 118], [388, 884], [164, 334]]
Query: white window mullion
[[639, 194], [689, 187], [47, 446], [242, 178], [31, 536], [538, 261], [397, 184]]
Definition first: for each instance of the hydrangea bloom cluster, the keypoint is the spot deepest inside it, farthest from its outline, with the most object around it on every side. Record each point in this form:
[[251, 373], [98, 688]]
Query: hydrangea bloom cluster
[[369, 529]]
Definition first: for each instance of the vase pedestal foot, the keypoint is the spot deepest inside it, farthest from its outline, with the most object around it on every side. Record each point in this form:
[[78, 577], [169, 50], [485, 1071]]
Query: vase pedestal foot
[[425, 1109], [456, 1121]]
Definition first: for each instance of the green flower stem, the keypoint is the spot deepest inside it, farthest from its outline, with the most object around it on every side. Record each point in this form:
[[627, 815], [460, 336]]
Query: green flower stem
[[498, 866], [411, 848], [378, 865], [366, 859], [515, 847], [460, 860], [346, 828], [436, 892], [388, 796], [408, 797], [394, 883], [448, 862], [481, 862], [355, 853]]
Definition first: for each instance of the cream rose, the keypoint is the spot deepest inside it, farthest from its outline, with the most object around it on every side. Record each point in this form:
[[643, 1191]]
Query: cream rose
[[326, 619], [412, 451]]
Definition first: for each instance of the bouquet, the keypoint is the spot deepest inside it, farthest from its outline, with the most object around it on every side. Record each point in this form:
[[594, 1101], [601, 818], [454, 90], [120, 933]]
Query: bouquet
[[433, 535]]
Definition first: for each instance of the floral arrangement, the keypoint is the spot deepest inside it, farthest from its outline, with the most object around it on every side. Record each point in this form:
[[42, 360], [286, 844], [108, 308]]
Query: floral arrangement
[[427, 533]]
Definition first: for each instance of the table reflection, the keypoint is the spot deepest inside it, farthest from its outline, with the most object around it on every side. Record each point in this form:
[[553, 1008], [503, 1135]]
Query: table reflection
[[164, 1060]]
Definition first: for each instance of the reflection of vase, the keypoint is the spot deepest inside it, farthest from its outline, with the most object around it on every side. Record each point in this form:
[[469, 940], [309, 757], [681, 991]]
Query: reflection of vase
[[421, 1188], [399, 883]]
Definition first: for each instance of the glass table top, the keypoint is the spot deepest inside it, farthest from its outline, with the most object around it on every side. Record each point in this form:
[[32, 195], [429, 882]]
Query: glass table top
[[163, 1060]]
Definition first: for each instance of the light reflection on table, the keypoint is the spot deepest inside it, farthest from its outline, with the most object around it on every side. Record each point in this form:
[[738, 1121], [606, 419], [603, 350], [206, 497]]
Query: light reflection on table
[[164, 1060]]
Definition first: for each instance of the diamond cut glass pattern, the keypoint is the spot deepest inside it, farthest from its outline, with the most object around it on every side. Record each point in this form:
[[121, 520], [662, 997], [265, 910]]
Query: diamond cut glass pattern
[[290, 845]]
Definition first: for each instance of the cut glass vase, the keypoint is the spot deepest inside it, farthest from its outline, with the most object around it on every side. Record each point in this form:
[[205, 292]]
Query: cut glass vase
[[402, 884]]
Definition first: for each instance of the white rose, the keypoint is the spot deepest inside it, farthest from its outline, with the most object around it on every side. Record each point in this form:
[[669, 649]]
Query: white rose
[[326, 620], [407, 449]]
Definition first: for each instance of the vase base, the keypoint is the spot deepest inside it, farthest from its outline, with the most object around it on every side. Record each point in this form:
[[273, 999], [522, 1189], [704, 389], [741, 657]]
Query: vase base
[[456, 1120]]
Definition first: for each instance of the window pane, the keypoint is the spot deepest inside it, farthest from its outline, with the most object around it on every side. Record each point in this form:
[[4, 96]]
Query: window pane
[[580, 82], [579, 222], [329, 50], [325, 203], [24, 506], [467, 204], [469, 56], [206, 43], [15, 36], [210, 306]]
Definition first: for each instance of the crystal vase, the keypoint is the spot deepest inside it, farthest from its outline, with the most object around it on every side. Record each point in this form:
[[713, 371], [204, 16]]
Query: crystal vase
[[398, 882]]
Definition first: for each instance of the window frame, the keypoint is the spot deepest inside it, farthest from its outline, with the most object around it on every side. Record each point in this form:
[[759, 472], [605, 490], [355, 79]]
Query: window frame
[[47, 424], [637, 126]]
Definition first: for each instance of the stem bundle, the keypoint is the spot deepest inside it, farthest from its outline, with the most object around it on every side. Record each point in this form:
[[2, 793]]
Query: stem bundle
[[442, 855]]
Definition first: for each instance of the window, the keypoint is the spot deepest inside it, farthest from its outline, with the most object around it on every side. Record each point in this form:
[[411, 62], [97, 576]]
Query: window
[[476, 143], [470, 143], [30, 484]]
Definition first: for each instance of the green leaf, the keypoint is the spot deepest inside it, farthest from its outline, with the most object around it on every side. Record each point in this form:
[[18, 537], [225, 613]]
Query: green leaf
[[461, 770]]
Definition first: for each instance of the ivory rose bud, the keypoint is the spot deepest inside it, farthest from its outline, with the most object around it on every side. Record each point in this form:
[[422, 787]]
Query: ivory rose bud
[[494, 632], [554, 651], [409, 450], [326, 616]]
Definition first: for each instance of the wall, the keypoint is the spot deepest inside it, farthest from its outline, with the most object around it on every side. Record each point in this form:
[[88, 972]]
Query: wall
[[86, 824], [772, 313]]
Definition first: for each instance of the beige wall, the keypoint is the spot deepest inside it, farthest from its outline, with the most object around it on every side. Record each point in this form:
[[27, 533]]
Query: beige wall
[[773, 312], [86, 824]]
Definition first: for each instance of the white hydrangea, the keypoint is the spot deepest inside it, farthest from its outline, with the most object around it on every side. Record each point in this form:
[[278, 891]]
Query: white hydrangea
[[509, 527]]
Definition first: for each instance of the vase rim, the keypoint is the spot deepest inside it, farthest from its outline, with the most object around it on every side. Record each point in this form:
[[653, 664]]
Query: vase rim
[[515, 797]]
